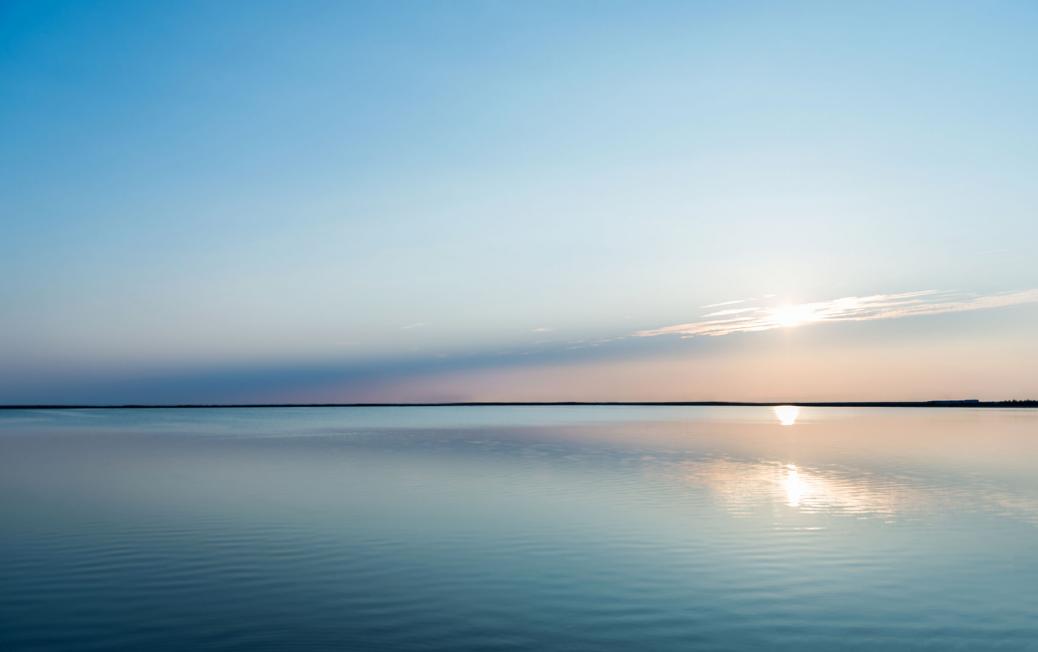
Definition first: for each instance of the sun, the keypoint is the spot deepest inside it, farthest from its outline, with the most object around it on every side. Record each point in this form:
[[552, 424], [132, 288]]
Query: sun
[[791, 315]]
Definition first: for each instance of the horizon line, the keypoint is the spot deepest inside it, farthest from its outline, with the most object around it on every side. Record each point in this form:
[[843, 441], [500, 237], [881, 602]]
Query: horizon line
[[936, 403]]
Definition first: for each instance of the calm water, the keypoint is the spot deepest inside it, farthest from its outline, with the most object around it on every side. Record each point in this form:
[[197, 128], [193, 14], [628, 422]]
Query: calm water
[[584, 528]]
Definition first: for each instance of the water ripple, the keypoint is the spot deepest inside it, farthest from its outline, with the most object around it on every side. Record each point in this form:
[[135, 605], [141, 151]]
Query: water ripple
[[669, 533]]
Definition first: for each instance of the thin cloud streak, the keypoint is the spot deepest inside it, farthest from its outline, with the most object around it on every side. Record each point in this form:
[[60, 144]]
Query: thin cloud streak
[[731, 311], [868, 308], [726, 303]]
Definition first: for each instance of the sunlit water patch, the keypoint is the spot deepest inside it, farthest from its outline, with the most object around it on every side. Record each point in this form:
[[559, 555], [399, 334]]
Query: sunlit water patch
[[580, 528]]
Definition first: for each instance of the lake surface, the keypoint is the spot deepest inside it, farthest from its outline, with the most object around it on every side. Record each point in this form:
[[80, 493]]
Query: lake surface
[[523, 528]]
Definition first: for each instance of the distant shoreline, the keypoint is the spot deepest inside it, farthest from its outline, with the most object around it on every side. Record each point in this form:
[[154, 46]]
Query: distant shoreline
[[871, 404]]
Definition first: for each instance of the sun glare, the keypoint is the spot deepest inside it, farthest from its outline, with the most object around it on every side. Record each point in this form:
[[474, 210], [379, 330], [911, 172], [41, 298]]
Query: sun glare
[[787, 414], [788, 316]]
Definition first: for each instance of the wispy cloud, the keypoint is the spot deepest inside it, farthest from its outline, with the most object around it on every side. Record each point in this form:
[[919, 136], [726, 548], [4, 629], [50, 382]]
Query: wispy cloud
[[725, 303], [758, 317], [542, 329], [730, 311], [408, 327]]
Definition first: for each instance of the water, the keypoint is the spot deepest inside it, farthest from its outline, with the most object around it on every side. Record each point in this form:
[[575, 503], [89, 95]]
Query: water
[[583, 528]]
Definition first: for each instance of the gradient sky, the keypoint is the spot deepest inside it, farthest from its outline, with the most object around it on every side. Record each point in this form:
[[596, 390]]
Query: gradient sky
[[258, 201]]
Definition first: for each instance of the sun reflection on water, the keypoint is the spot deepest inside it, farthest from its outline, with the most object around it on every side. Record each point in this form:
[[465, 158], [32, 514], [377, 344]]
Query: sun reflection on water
[[787, 414], [794, 485], [745, 486]]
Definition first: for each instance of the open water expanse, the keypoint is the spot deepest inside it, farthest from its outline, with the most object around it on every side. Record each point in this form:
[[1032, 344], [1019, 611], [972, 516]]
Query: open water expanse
[[519, 528]]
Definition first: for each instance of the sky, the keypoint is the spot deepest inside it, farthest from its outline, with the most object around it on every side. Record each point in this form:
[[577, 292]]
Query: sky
[[463, 201]]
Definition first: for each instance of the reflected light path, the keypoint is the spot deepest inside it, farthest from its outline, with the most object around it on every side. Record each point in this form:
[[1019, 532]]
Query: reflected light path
[[747, 486], [787, 414], [795, 486]]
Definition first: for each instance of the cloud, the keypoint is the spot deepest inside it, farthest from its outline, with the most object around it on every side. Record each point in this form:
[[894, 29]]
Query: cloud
[[726, 303], [408, 327], [730, 311], [542, 329], [877, 306]]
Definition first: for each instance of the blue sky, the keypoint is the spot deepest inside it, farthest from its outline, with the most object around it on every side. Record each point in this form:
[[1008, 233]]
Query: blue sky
[[452, 201]]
